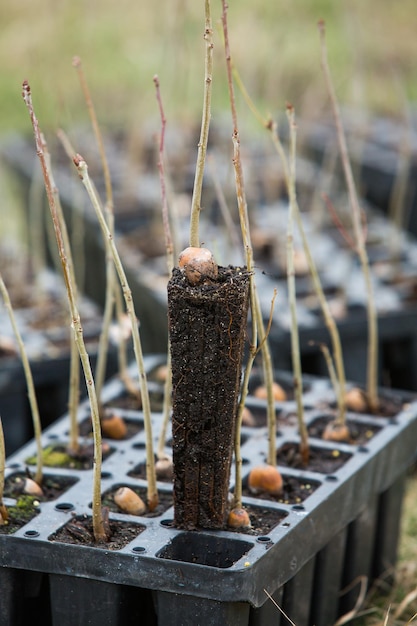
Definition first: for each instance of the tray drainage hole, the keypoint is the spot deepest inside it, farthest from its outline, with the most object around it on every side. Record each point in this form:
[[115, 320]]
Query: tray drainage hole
[[31, 533], [331, 478], [106, 475], [139, 549], [52, 436], [14, 465], [140, 445], [393, 421], [167, 523], [264, 539], [286, 524], [64, 506], [298, 507], [363, 449]]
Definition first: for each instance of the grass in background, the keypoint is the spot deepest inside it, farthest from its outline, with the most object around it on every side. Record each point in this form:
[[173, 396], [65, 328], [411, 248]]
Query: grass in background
[[123, 44]]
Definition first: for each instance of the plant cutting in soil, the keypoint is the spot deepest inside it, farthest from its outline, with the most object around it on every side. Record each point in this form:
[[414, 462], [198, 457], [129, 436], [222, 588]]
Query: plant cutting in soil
[[207, 315], [99, 522], [372, 365], [267, 478]]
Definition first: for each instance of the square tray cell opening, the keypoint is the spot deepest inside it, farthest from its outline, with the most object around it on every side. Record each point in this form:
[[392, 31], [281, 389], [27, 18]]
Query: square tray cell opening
[[204, 549]]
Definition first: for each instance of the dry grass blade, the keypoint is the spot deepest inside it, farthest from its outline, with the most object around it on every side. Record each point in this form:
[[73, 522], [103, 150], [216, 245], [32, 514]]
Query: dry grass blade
[[350, 615], [279, 608], [409, 598]]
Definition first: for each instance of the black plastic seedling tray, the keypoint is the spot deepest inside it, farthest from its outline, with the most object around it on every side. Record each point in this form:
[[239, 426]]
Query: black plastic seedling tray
[[346, 528]]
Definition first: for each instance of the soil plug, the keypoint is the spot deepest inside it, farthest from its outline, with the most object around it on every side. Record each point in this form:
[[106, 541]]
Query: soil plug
[[207, 326]]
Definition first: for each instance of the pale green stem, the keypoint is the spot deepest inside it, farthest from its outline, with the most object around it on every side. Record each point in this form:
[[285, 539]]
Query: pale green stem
[[257, 320], [328, 318], [29, 382], [205, 125], [372, 368], [169, 246], [109, 209], [81, 166], [97, 515], [107, 314], [295, 346], [74, 387]]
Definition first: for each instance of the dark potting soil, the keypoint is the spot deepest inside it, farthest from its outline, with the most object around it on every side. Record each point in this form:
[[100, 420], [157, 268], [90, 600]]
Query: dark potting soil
[[52, 486], [134, 403], [165, 500], [79, 531], [360, 432], [207, 326], [19, 514], [295, 490], [323, 460], [283, 418], [26, 506], [133, 428], [139, 471]]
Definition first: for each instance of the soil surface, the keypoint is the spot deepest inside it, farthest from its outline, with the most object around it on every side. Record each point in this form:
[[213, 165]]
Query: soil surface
[[360, 433], [133, 427], [322, 460], [295, 491], [79, 531], [165, 500]]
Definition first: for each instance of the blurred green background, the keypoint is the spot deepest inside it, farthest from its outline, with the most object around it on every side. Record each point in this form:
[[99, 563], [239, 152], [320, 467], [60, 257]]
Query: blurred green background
[[275, 45]]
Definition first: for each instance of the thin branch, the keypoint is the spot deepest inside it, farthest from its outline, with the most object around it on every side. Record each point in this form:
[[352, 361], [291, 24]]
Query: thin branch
[[152, 496], [372, 365], [205, 125], [98, 522]]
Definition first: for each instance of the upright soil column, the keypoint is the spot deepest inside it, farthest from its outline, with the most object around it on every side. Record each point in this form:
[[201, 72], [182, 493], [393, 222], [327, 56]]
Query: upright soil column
[[207, 326]]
